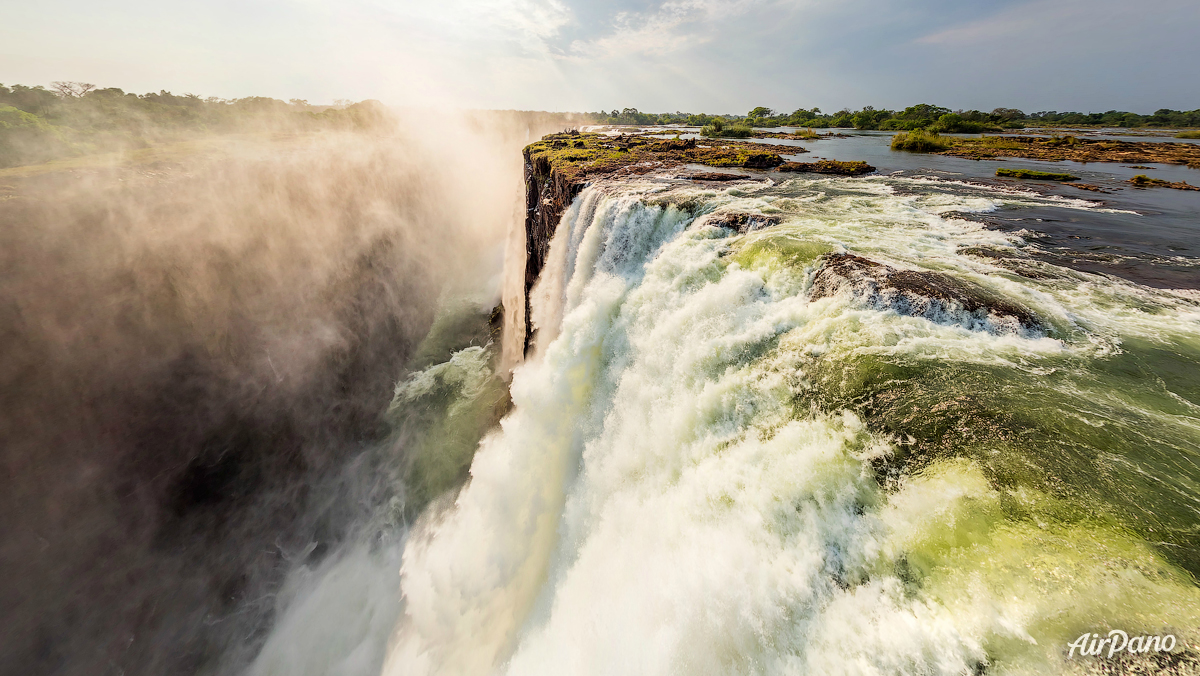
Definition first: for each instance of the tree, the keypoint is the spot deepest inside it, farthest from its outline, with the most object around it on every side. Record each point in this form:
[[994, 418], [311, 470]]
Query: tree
[[72, 90], [922, 111], [1008, 114], [761, 111]]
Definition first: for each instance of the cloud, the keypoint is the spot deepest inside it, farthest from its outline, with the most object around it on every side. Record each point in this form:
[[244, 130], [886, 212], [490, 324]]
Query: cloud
[[670, 27], [713, 55], [1055, 19]]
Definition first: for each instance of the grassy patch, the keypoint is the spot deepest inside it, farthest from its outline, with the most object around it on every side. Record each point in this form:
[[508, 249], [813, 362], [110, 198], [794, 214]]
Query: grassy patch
[[920, 141], [1035, 175], [577, 155], [719, 130], [1188, 134]]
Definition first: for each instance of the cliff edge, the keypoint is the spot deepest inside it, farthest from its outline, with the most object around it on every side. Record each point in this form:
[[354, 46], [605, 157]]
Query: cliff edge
[[559, 166]]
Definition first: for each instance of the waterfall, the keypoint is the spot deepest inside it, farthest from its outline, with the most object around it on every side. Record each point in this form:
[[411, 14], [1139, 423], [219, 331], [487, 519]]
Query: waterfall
[[709, 469]]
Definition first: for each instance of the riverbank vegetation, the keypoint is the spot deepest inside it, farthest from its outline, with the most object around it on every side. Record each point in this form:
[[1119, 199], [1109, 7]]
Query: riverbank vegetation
[[921, 116], [72, 118]]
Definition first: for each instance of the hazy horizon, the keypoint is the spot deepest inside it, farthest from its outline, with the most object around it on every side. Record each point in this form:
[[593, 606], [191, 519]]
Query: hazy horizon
[[716, 56]]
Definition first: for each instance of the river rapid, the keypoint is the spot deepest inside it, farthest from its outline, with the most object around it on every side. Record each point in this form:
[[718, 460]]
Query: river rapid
[[707, 469]]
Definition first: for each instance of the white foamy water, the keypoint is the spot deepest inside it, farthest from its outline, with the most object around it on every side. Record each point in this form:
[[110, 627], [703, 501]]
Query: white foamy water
[[663, 499]]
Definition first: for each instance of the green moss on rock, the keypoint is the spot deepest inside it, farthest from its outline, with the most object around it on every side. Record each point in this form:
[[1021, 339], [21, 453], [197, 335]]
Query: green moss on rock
[[577, 155], [1036, 175], [835, 167]]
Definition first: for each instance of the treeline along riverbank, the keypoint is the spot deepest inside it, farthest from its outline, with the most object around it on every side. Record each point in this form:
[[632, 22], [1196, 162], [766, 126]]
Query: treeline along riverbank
[[920, 116]]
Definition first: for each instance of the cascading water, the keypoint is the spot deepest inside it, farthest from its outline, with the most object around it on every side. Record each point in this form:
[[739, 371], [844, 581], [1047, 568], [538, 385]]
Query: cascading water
[[709, 470]]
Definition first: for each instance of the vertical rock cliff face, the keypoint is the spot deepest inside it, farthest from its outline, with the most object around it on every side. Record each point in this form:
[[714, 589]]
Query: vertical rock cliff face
[[548, 193]]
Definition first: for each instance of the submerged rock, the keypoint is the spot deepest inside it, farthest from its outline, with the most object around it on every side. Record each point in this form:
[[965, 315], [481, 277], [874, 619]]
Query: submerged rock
[[1090, 187], [920, 293]]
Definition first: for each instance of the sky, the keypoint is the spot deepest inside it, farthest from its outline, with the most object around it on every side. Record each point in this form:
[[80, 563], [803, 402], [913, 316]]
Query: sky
[[716, 56]]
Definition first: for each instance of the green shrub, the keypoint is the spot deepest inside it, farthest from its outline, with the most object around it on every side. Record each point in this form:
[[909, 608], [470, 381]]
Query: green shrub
[[1188, 134], [920, 141], [717, 129], [1036, 175]]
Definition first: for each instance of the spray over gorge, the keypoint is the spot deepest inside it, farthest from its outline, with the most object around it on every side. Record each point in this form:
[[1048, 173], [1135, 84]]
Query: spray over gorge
[[200, 346]]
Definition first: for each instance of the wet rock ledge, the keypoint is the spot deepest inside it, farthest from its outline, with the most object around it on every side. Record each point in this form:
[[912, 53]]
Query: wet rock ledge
[[921, 293], [834, 167], [1057, 149]]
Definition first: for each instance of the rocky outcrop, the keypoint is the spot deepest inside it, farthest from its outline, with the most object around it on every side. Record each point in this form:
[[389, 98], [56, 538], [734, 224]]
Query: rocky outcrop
[[1144, 181], [834, 167], [741, 222], [559, 166], [1059, 148], [920, 293], [716, 176], [762, 161]]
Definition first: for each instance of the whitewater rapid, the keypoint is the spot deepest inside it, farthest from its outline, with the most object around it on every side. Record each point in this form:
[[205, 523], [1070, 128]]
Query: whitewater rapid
[[688, 481]]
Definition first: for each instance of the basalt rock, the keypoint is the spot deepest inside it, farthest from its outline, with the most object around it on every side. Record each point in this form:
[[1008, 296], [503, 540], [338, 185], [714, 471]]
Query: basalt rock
[[1057, 149], [715, 176], [920, 293], [742, 222], [548, 193], [834, 167], [762, 161], [1144, 181], [1089, 187], [675, 144]]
